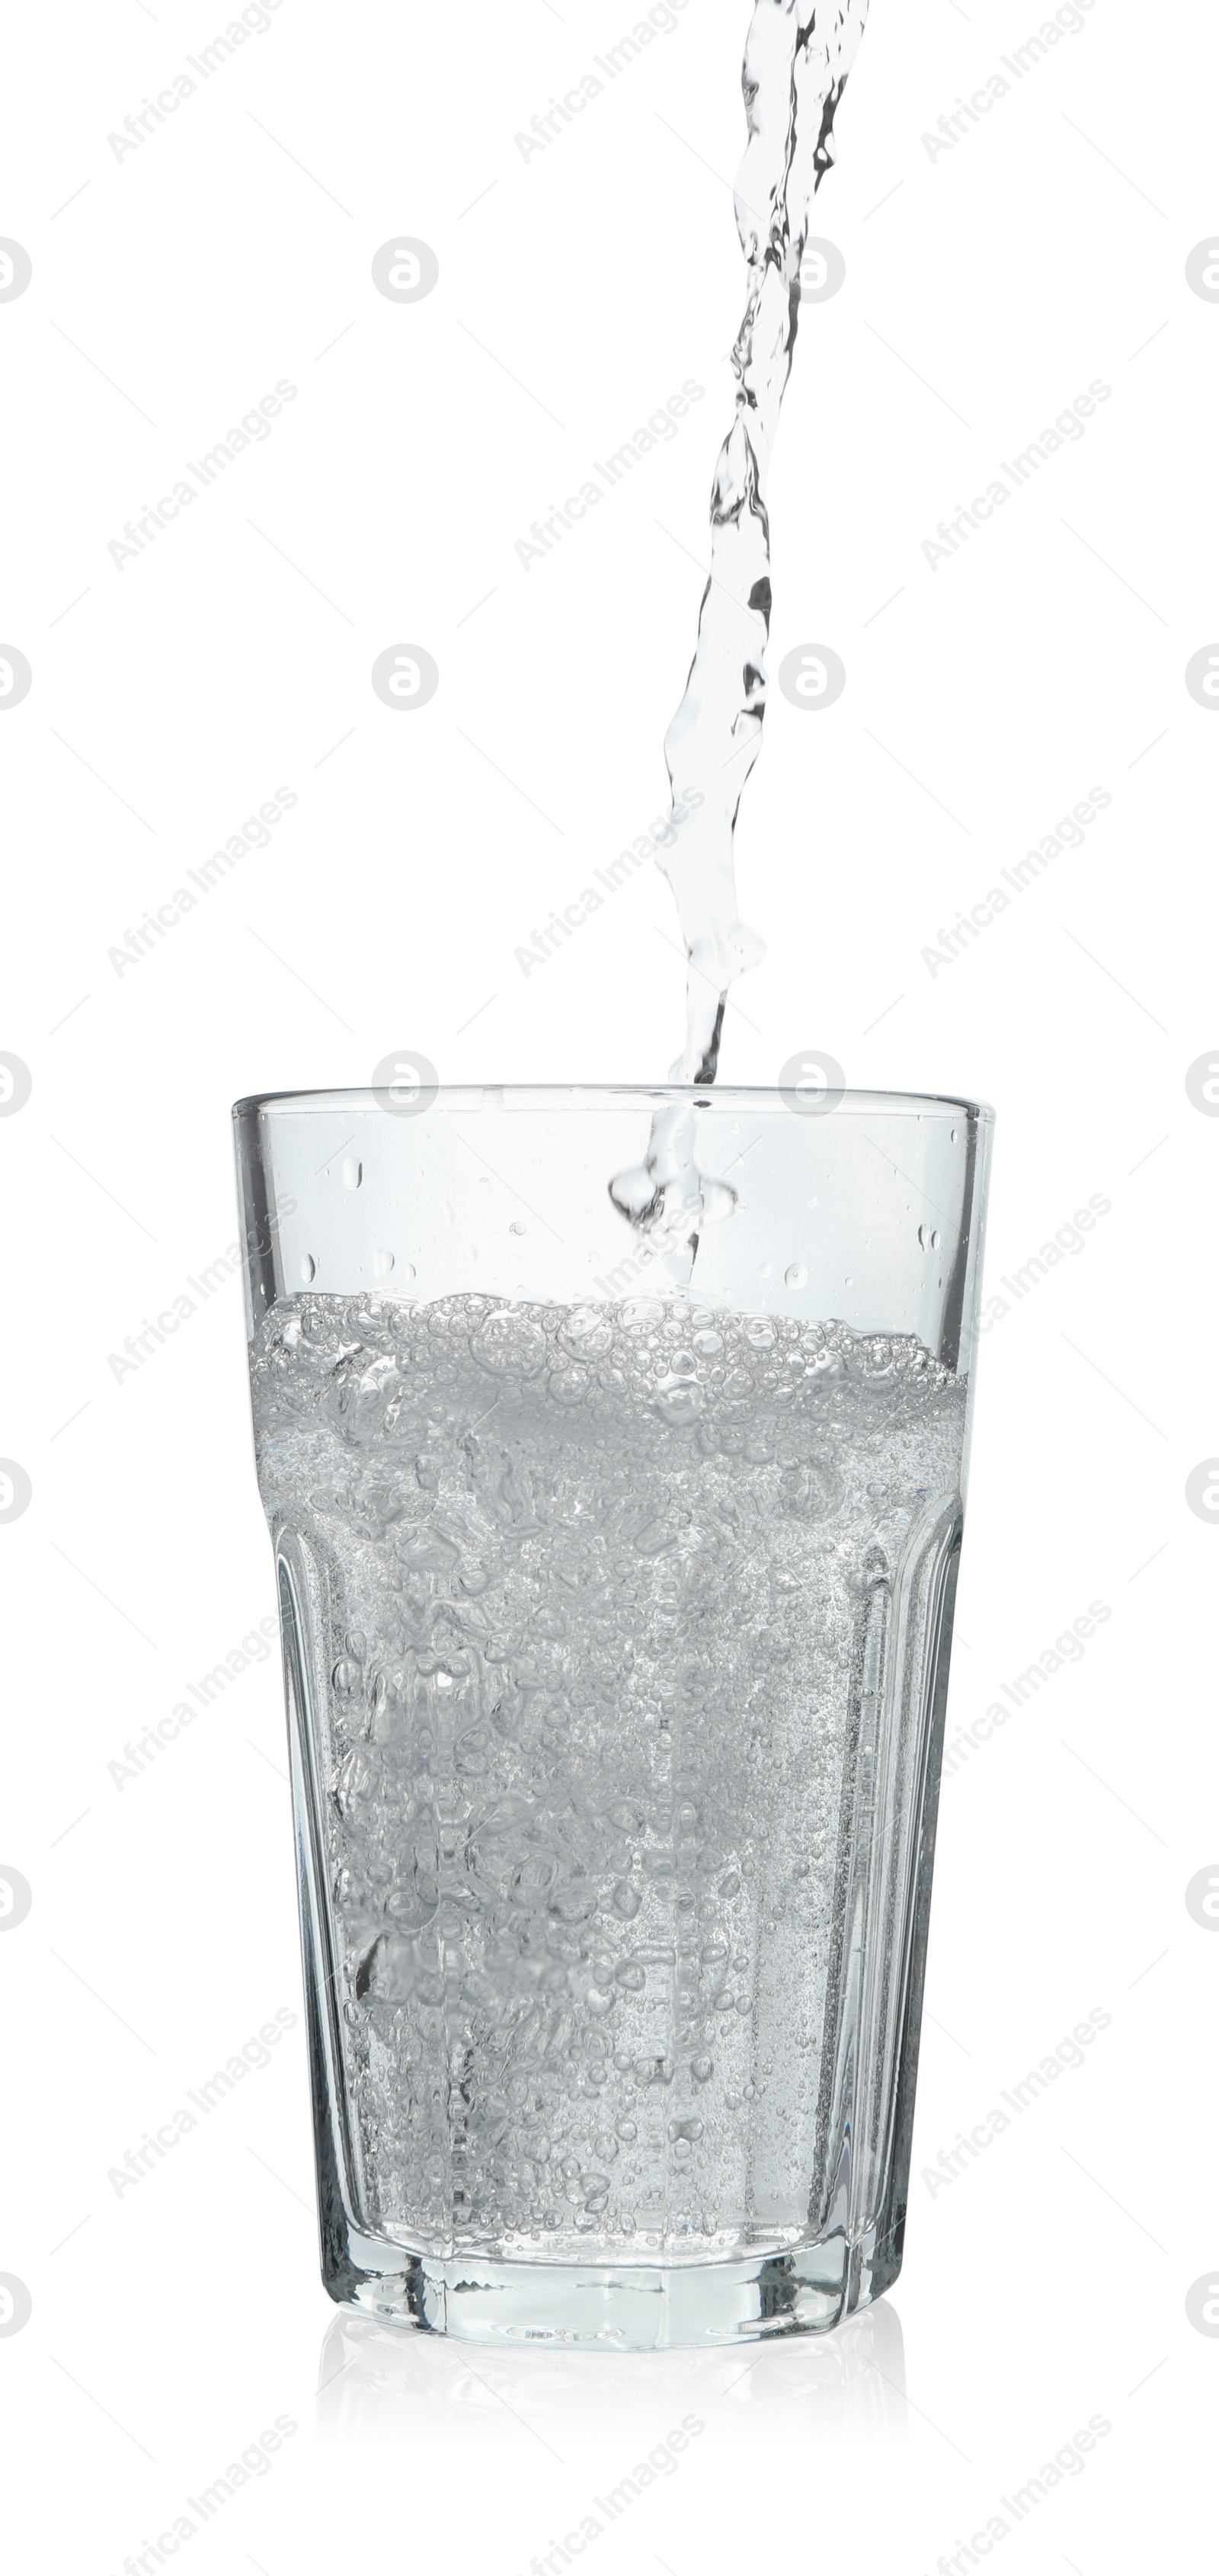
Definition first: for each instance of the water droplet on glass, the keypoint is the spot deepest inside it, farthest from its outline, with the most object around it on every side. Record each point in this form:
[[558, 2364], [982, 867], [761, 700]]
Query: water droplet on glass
[[382, 1264], [924, 1236], [935, 1242], [516, 1226], [796, 1274], [308, 1268], [353, 1173]]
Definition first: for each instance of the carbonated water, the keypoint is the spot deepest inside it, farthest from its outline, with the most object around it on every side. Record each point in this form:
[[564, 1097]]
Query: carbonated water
[[603, 1601]]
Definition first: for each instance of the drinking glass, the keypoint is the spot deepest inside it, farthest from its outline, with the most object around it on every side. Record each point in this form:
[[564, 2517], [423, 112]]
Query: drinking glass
[[616, 1566]]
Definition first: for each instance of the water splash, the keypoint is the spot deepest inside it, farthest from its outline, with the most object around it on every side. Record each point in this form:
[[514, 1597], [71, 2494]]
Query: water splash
[[798, 55]]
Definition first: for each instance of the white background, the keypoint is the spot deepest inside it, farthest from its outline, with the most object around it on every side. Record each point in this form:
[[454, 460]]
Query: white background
[[1047, 2283]]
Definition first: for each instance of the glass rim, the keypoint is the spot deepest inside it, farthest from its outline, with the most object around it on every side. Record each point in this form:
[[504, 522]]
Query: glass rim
[[566, 1096]]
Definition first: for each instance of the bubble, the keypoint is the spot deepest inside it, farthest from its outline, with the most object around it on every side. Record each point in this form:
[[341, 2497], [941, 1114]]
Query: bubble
[[586, 1333], [680, 1404], [509, 1344], [516, 1226]]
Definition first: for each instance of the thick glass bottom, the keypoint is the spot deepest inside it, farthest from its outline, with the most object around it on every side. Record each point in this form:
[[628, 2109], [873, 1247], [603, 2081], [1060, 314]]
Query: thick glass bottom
[[606, 2306]]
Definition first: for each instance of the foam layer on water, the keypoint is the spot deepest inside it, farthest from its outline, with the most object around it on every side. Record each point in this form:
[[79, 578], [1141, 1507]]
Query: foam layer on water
[[599, 1592]]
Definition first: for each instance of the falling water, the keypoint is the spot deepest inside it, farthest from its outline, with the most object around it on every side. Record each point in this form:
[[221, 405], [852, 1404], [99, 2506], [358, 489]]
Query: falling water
[[797, 57]]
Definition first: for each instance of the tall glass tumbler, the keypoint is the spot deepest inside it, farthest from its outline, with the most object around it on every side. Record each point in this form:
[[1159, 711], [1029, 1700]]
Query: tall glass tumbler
[[615, 1580]]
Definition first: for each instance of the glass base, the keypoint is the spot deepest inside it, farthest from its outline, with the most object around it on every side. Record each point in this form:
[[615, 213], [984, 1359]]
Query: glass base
[[611, 2307]]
